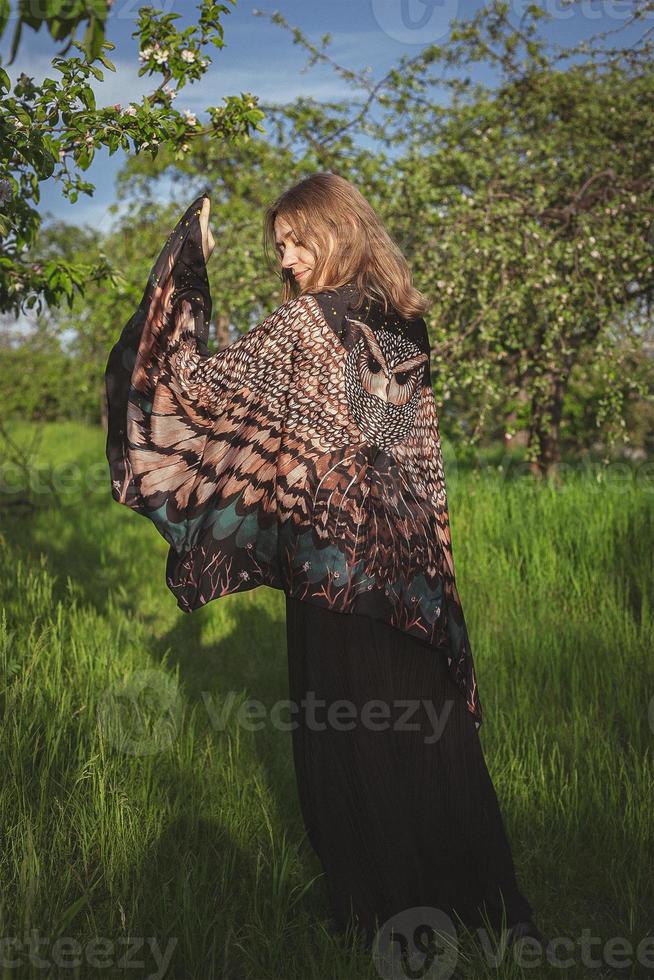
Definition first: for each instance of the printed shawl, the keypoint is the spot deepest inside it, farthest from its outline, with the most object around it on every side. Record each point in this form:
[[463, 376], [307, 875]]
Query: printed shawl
[[304, 456]]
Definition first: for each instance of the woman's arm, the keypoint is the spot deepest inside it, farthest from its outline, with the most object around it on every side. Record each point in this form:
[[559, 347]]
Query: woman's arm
[[188, 428], [207, 238]]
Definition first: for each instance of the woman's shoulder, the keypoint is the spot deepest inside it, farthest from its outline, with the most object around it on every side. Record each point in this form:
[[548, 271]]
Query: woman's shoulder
[[336, 302], [291, 309], [343, 303]]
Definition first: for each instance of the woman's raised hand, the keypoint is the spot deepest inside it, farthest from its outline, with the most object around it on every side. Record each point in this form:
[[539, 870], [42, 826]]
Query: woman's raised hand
[[207, 238]]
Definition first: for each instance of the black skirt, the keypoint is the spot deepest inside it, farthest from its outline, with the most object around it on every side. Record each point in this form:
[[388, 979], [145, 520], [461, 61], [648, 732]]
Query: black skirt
[[393, 786]]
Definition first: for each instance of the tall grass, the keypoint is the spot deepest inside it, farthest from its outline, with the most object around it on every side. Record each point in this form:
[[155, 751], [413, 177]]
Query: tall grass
[[155, 813]]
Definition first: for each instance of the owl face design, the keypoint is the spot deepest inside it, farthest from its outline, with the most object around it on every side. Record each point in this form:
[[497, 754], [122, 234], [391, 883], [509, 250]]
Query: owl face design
[[383, 377]]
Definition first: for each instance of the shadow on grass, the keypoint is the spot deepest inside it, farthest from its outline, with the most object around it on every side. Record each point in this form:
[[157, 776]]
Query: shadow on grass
[[218, 671]]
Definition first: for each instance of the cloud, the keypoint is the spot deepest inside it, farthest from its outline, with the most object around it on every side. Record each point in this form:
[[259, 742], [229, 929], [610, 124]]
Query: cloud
[[272, 80], [87, 211], [122, 86], [268, 86]]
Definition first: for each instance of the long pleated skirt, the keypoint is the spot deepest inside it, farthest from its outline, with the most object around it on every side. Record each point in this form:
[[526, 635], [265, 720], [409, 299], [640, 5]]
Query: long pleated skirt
[[393, 787]]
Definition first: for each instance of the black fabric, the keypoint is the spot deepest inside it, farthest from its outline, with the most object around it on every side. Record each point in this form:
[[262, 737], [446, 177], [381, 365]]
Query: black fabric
[[344, 304], [399, 819]]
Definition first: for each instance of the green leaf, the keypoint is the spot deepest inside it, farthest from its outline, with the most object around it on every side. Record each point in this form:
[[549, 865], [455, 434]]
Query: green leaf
[[5, 10], [15, 41], [69, 913], [93, 39], [66, 283], [58, 28], [87, 96], [44, 163]]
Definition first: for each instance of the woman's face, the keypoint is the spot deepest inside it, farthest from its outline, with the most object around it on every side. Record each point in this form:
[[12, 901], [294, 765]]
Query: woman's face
[[292, 254]]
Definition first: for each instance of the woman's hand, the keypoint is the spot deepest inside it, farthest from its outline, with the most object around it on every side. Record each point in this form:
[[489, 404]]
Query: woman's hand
[[207, 238]]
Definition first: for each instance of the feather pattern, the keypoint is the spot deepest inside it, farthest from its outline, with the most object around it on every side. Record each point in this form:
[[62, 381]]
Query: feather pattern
[[305, 456]]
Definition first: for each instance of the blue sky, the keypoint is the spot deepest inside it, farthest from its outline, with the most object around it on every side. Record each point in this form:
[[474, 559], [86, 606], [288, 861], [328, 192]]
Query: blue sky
[[261, 58]]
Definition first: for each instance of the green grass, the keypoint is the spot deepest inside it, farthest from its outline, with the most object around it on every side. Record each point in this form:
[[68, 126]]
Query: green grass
[[201, 841]]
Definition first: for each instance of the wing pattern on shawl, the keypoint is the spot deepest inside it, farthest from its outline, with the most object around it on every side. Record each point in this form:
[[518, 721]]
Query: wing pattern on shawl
[[290, 458]]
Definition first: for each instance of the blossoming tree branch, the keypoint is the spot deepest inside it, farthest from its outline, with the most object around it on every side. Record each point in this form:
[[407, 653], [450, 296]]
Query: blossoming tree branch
[[54, 128]]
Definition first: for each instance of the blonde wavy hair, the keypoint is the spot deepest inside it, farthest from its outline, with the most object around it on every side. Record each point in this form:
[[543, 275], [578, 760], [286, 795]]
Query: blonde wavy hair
[[334, 221]]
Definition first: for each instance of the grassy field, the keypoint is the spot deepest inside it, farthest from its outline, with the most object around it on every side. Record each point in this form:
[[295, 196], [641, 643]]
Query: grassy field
[[156, 821]]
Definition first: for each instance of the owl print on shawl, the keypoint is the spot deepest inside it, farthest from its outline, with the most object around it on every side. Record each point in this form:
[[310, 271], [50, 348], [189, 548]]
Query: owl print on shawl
[[304, 456]]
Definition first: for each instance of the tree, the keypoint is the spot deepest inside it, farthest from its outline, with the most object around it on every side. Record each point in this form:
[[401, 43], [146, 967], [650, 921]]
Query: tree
[[53, 129], [526, 208]]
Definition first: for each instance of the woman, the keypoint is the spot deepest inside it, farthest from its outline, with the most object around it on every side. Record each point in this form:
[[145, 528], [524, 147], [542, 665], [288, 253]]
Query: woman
[[306, 456]]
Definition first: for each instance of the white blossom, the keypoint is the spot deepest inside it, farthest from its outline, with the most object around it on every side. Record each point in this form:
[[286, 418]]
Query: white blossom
[[188, 55]]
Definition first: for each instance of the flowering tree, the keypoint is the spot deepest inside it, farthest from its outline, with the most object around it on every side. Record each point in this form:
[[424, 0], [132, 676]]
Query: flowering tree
[[525, 207], [54, 128]]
